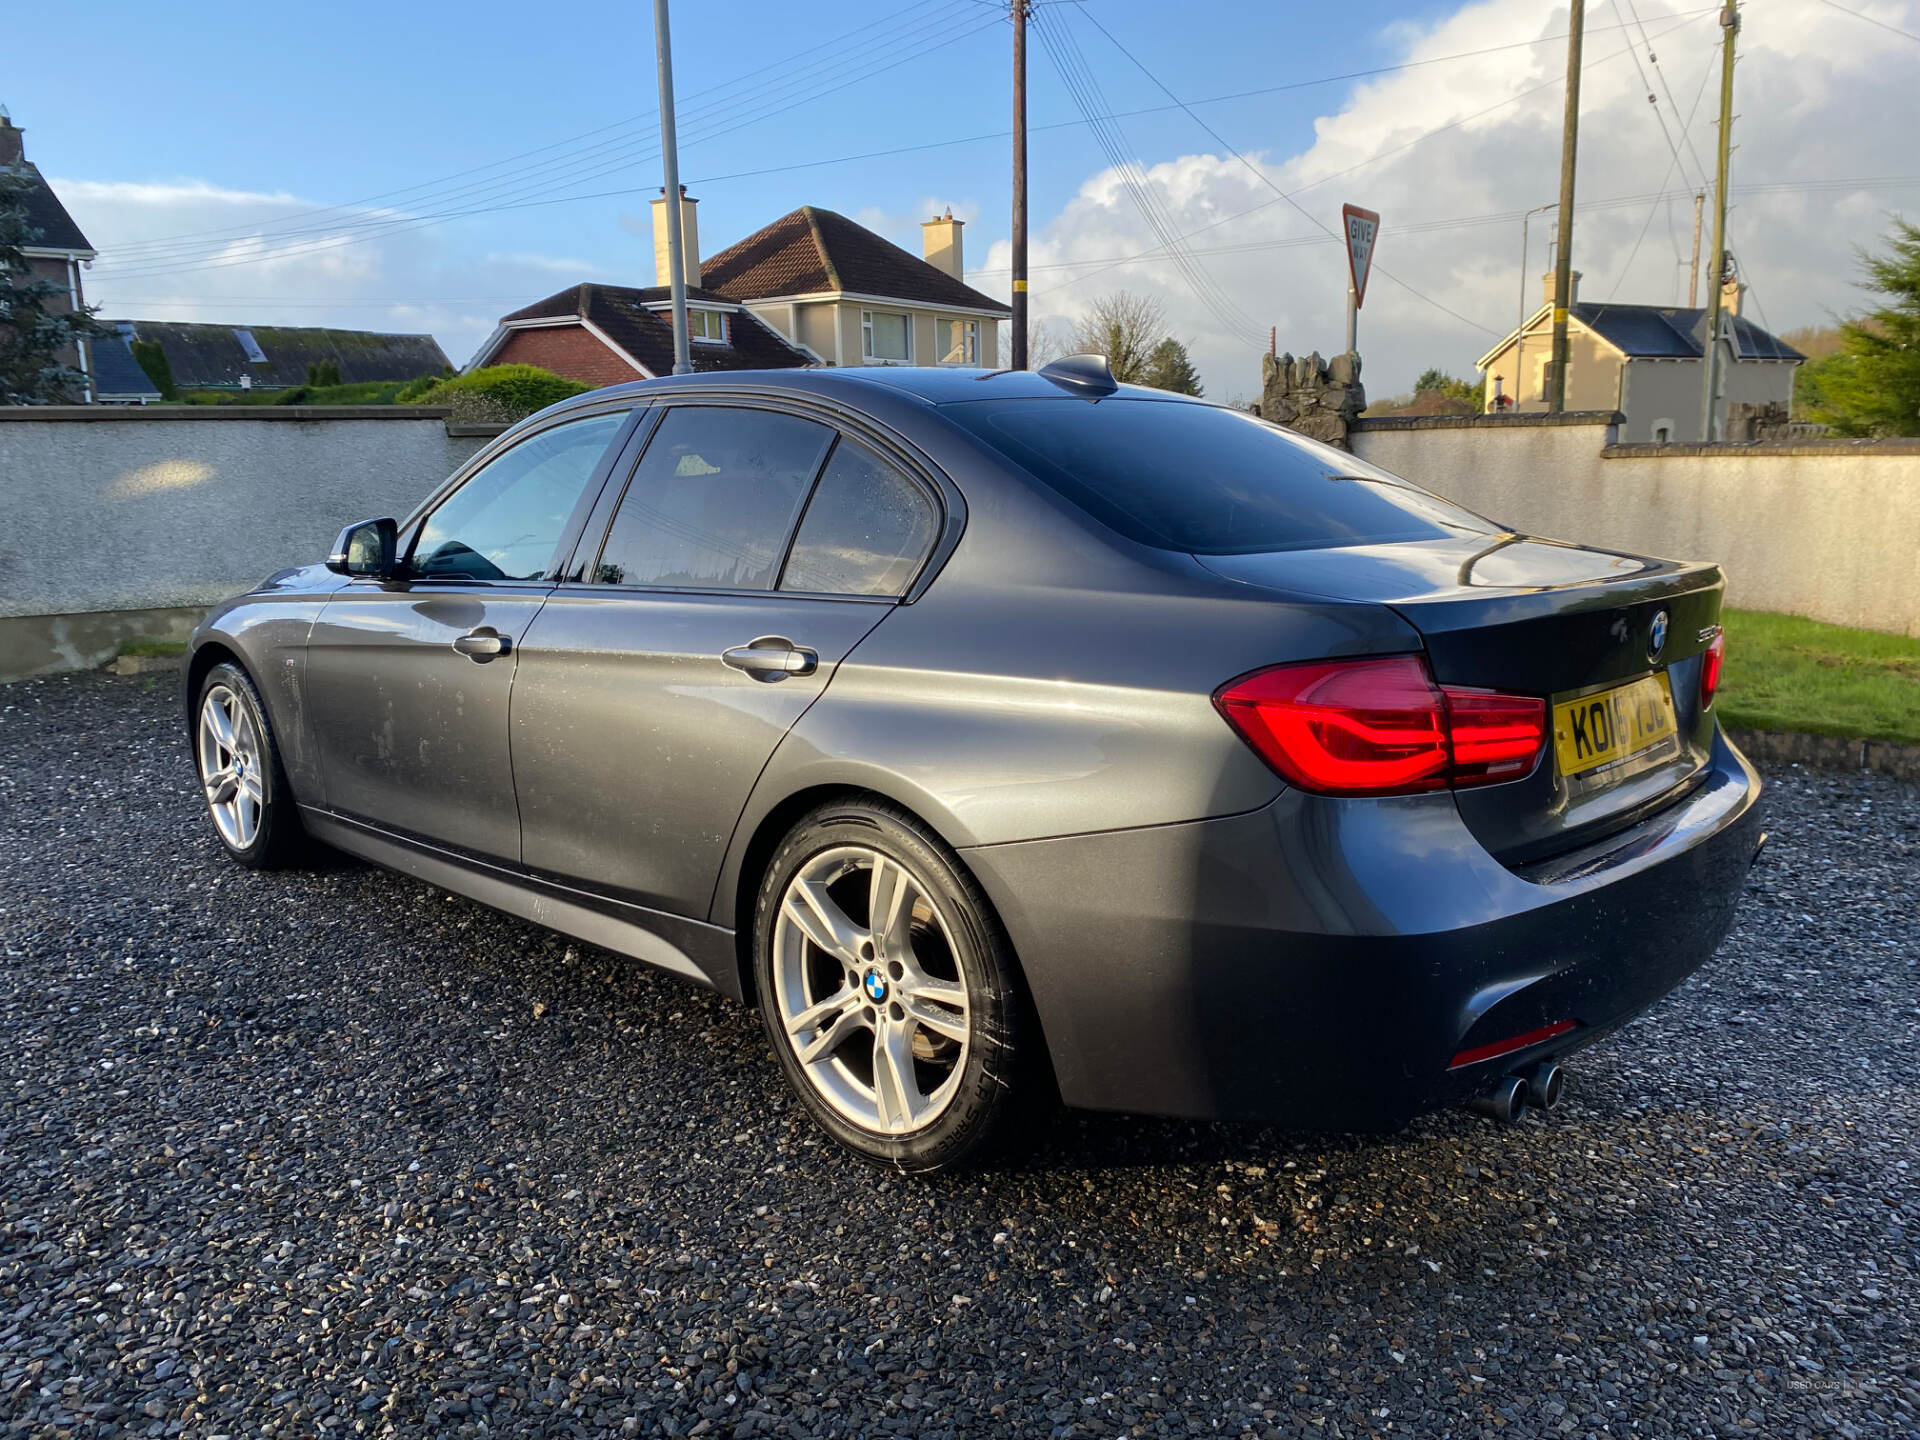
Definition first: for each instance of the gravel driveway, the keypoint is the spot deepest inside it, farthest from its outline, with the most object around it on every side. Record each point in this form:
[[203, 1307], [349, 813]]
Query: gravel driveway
[[333, 1152]]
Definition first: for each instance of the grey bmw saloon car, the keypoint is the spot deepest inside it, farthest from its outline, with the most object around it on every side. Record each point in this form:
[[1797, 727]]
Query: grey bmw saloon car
[[1011, 736]]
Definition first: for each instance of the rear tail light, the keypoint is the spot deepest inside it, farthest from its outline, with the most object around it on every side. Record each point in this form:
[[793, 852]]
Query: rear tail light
[[1381, 726], [1710, 664]]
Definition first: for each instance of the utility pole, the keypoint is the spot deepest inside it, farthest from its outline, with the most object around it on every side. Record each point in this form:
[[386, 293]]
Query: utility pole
[[670, 160], [1693, 276], [1019, 184], [1563, 264], [1717, 270]]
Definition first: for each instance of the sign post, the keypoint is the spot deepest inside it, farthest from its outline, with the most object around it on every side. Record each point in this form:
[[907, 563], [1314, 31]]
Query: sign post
[[1362, 227]]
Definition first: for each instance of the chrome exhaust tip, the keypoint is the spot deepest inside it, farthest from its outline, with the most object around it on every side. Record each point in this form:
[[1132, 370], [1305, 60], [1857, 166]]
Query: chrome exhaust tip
[[1506, 1102], [1545, 1082]]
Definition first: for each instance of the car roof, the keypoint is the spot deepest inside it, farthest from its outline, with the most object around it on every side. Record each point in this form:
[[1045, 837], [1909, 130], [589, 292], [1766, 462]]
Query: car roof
[[930, 384]]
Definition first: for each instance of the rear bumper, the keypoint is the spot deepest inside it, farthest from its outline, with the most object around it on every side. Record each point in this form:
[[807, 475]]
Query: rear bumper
[[1318, 963]]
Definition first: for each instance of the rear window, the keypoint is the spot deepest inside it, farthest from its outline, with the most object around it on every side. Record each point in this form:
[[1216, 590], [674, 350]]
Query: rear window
[[1180, 476]]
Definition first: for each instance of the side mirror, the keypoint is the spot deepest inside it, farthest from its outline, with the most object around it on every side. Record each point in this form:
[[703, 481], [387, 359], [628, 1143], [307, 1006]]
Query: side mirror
[[366, 549]]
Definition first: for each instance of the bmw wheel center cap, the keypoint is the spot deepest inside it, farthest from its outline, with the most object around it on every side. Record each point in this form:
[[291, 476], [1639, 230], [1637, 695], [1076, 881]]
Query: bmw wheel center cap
[[875, 984]]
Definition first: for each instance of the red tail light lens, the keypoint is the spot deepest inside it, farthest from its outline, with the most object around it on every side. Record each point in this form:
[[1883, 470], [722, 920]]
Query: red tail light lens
[[1710, 664], [1382, 727]]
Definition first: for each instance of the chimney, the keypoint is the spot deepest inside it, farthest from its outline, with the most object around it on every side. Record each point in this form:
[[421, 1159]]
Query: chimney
[[13, 147], [940, 243], [1573, 288], [689, 240], [1732, 292]]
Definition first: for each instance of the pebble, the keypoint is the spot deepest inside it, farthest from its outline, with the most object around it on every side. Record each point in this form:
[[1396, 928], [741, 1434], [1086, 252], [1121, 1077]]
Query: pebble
[[285, 1155]]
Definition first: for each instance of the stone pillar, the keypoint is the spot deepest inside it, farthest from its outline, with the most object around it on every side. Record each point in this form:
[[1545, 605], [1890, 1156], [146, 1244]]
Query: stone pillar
[[1319, 398]]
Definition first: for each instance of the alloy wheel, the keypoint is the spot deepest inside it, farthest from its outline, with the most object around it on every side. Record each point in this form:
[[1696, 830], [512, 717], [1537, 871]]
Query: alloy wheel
[[231, 766], [870, 992]]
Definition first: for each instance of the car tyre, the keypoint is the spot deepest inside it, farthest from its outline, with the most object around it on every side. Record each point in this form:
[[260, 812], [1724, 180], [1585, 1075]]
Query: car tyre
[[242, 780], [904, 1039]]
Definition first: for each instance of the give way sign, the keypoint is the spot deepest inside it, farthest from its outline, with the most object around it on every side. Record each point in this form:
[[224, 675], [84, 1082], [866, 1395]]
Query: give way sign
[[1361, 226]]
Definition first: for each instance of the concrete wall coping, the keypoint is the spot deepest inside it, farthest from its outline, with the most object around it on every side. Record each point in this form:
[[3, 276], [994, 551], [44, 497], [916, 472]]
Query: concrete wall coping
[[223, 412], [1721, 449], [1488, 422]]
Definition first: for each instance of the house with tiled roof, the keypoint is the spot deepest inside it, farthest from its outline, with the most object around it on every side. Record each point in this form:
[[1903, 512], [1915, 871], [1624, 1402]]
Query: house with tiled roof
[[1645, 361], [812, 288], [56, 249], [276, 357]]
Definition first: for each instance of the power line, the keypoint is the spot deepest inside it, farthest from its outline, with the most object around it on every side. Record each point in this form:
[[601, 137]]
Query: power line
[[893, 19], [166, 248], [1871, 21], [928, 39], [1672, 164], [1267, 180], [1380, 155], [1077, 77], [1455, 222], [1653, 60]]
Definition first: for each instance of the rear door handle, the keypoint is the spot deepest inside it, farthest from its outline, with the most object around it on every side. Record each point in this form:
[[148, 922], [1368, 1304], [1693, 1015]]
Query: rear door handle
[[483, 644], [772, 657]]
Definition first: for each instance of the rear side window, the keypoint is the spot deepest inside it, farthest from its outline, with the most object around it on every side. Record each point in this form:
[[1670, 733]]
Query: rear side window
[[713, 499], [503, 523], [1180, 476], [866, 529]]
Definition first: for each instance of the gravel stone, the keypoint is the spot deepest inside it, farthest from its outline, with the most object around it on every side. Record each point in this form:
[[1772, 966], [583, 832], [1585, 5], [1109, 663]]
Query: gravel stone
[[334, 1153]]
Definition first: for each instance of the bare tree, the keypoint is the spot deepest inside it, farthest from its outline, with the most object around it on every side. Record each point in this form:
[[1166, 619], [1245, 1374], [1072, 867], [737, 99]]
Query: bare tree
[[1126, 328], [1047, 341]]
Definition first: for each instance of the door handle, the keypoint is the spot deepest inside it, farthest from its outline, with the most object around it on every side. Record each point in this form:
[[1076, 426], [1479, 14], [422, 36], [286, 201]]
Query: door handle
[[483, 644], [772, 657]]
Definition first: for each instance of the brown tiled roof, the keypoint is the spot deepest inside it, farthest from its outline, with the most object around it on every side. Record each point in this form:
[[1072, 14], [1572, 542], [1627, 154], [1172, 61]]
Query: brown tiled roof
[[646, 335], [812, 250], [47, 216]]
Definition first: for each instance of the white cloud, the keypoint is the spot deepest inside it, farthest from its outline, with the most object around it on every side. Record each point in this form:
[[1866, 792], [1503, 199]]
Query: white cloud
[[1820, 97], [193, 250]]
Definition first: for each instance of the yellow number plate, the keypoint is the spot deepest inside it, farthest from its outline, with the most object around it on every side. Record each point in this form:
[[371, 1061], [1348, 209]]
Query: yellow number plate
[[1610, 726]]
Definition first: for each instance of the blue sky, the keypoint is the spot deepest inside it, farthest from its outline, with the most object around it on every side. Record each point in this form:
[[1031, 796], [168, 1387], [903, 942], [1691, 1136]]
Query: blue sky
[[229, 121]]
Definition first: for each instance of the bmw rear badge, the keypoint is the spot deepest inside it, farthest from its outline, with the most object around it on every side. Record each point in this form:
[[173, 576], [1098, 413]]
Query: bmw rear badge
[[1657, 636]]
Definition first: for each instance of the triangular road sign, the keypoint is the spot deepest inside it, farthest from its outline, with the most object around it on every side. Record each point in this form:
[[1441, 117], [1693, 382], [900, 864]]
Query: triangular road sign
[[1362, 226]]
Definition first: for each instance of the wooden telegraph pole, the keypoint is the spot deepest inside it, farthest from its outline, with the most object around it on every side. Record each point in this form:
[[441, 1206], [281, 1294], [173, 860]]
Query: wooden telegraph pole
[[1563, 265], [1717, 261], [1019, 184]]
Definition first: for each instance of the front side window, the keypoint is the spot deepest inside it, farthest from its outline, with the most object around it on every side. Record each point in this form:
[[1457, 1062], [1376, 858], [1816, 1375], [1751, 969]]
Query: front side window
[[504, 522], [957, 342], [713, 500], [866, 530], [1208, 480], [888, 336]]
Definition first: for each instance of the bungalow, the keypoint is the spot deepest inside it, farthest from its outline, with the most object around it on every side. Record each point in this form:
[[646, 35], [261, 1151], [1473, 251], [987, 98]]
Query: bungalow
[[1645, 361], [276, 357], [812, 288]]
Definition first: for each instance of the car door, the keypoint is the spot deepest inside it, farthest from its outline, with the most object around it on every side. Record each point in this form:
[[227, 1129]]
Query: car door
[[408, 679], [751, 549]]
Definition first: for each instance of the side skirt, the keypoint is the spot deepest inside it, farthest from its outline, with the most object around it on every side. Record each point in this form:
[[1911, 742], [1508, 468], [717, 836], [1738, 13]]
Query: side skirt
[[691, 949]]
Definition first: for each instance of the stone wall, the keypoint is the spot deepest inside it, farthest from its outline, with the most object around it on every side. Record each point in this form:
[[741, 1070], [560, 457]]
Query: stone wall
[[1826, 529], [1320, 398]]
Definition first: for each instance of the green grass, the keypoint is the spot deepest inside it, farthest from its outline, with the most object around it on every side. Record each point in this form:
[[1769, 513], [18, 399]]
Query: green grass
[[1786, 673]]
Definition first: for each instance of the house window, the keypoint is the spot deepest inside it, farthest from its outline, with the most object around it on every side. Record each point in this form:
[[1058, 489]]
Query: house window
[[886, 337], [707, 325], [956, 342]]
